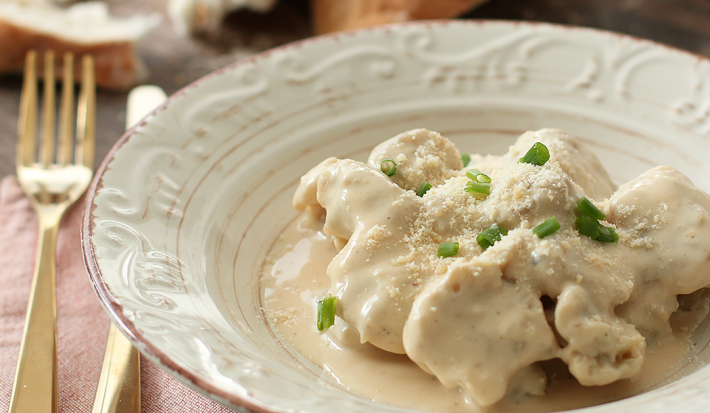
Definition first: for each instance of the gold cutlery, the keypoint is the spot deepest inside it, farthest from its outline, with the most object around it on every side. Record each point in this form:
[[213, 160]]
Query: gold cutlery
[[119, 388], [52, 180]]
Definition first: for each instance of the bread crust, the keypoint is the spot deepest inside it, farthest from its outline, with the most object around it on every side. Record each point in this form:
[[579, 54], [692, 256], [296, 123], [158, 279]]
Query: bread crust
[[335, 15], [117, 66]]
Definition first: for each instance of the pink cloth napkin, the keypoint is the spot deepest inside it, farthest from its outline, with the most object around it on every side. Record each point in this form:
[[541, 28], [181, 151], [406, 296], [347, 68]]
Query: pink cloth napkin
[[81, 321]]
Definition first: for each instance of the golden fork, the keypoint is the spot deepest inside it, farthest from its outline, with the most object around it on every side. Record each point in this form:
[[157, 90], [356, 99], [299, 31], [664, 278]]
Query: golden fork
[[52, 185]]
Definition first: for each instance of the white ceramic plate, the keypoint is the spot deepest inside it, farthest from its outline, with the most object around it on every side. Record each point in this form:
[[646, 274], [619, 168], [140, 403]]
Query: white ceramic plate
[[184, 208]]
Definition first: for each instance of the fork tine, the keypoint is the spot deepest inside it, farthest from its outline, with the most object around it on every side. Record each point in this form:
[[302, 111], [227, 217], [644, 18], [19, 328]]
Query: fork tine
[[46, 150], [86, 115], [27, 125], [66, 113]]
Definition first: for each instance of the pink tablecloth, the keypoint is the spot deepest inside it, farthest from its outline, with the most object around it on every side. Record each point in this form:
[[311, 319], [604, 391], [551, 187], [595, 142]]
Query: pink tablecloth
[[82, 323]]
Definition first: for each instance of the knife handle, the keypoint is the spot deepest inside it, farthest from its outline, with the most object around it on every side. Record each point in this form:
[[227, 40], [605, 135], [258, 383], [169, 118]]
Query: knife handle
[[119, 389], [141, 101]]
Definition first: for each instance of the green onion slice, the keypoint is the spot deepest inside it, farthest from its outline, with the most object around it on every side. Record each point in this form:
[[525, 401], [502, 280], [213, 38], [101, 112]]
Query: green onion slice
[[447, 249], [490, 236], [326, 312], [423, 189], [587, 226], [607, 234], [537, 155], [483, 178], [388, 166], [466, 159], [478, 187], [549, 227], [586, 207], [477, 176], [480, 183], [594, 230]]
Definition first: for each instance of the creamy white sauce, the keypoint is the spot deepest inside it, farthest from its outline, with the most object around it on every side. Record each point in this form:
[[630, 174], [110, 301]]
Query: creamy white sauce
[[482, 326], [296, 279]]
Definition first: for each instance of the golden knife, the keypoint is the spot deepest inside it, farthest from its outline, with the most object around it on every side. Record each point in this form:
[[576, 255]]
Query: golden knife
[[119, 389]]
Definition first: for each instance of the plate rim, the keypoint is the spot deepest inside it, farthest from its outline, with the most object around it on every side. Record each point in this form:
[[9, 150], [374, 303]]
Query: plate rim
[[112, 305]]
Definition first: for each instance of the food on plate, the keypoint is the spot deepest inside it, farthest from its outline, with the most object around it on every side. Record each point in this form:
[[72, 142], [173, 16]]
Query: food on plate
[[81, 28], [483, 273]]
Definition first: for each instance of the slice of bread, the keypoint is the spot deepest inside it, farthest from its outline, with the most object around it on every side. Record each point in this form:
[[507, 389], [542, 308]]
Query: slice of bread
[[82, 28], [335, 15], [206, 16]]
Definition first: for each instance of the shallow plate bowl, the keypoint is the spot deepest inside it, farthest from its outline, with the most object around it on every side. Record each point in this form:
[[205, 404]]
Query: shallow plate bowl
[[183, 209]]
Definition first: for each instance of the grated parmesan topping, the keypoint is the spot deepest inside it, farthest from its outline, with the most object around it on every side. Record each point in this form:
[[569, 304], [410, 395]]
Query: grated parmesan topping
[[475, 320]]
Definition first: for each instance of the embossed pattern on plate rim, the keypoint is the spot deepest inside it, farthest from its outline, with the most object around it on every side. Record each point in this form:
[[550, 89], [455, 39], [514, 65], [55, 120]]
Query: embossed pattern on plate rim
[[114, 307]]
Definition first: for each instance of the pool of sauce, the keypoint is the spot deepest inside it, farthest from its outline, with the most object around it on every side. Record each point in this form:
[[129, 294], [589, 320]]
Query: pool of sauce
[[294, 279]]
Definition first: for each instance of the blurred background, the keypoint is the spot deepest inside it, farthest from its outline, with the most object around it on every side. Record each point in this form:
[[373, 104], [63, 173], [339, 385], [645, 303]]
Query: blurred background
[[182, 40]]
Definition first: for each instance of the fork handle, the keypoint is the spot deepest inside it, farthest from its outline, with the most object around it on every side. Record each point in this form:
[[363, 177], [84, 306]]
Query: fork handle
[[35, 386]]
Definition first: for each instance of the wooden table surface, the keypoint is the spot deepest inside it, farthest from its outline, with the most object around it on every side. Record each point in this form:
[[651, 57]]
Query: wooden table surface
[[175, 61]]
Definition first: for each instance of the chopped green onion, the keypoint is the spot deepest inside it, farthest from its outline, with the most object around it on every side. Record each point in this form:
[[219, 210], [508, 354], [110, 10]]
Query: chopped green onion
[[587, 226], [607, 234], [447, 249], [594, 230], [478, 187], [423, 189], [477, 176], [480, 183], [466, 159], [388, 166], [549, 227], [472, 174], [537, 155], [483, 178], [586, 207], [326, 312], [490, 236]]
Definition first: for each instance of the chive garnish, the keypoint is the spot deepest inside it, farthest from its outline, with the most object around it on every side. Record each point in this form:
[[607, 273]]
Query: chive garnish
[[477, 176], [607, 234], [595, 230], [478, 187], [587, 226], [447, 249], [423, 189], [479, 183], [388, 166], [549, 227], [490, 236], [537, 155], [586, 207], [466, 159], [483, 178], [326, 312]]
